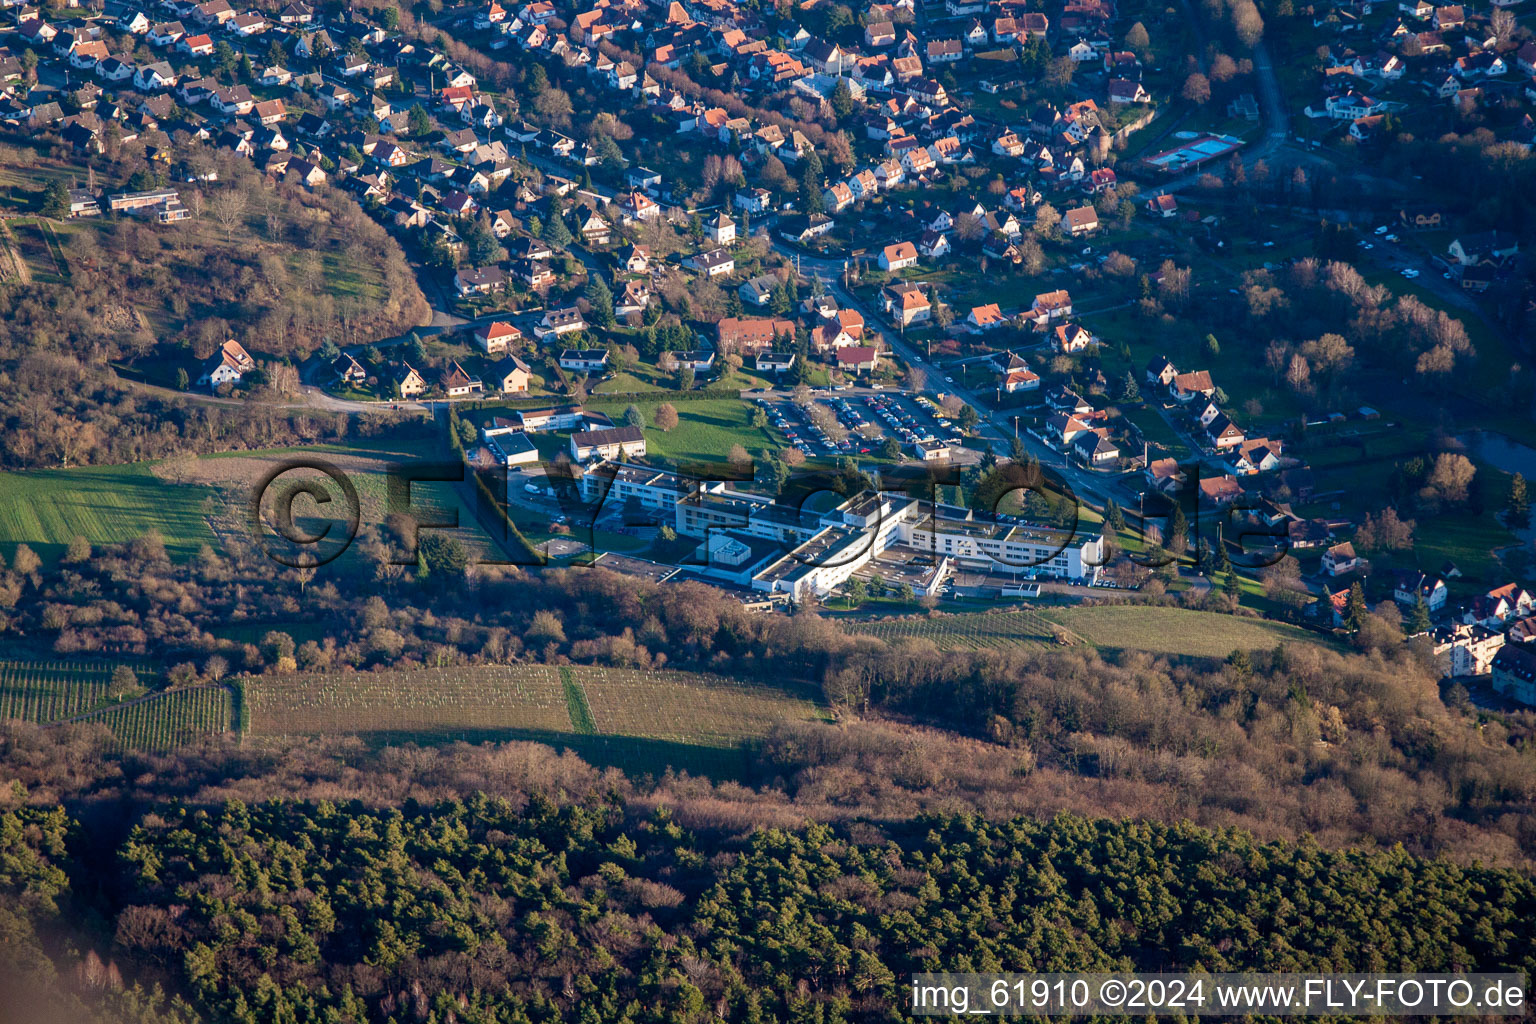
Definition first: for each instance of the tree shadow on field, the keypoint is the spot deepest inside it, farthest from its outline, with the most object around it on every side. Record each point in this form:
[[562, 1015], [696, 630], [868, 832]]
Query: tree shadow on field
[[636, 756]]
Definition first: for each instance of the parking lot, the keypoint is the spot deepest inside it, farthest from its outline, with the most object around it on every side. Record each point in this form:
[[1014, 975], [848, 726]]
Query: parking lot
[[867, 419]]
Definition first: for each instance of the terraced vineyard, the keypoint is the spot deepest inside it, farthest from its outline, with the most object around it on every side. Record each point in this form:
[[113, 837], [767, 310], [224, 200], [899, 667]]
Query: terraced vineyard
[[46, 691], [640, 720], [167, 720], [967, 631]]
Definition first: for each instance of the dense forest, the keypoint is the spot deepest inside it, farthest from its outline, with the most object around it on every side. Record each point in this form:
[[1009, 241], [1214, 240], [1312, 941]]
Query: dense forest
[[540, 910]]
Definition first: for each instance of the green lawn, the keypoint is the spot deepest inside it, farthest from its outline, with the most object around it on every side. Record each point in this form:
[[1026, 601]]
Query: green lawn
[[705, 431], [103, 504]]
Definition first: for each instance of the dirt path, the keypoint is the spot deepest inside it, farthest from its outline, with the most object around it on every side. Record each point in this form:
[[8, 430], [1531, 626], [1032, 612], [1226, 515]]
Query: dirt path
[[140, 700], [17, 266]]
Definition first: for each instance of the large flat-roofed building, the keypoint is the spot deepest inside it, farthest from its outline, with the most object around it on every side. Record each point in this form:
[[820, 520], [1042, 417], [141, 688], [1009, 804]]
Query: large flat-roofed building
[[748, 514], [615, 483], [822, 548], [985, 545]]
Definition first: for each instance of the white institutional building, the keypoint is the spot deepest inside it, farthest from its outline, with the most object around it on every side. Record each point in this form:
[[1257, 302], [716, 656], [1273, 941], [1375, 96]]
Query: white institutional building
[[800, 552]]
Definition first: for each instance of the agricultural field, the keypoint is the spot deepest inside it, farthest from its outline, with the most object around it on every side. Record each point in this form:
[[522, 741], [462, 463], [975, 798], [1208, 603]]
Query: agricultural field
[[1128, 627], [685, 707], [46, 691], [169, 719], [45, 509], [967, 631], [435, 704], [1175, 630], [645, 721]]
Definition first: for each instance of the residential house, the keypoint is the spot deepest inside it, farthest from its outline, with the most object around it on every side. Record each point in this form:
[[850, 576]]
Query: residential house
[[227, 365], [407, 382], [1185, 387], [479, 280], [986, 318], [634, 298], [637, 206], [1411, 585], [494, 338], [1082, 221], [1161, 371], [592, 360], [346, 370], [906, 304], [722, 229], [1500, 605], [1255, 455], [595, 230], [697, 360], [557, 322], [154, 77], [1340, 559], [712, 263], [1514, 673], [511, 376], [752, 334], [1127, 91], [1048, 306], [1071, 338], [759, 290], [1220, 491], [838, 197], [857, 358], [456, 382], [775, 362], [1164, 475], [1094, 447], [899, 256], [1022, 379]]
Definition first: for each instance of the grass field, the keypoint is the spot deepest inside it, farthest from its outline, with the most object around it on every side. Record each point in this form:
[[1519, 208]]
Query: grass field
[[45, 509], [968, 631], [1128, 627], [103, 504], [705, 429], [168, 720], [642, 721], [1175, 630]]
